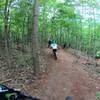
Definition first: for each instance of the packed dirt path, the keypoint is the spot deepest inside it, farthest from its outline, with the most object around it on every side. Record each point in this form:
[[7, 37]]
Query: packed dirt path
[[67, 78]]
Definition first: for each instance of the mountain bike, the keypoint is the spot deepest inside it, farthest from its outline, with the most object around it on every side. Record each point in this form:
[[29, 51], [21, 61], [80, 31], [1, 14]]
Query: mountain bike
[[54, 54], [13, 94], [7, 93]]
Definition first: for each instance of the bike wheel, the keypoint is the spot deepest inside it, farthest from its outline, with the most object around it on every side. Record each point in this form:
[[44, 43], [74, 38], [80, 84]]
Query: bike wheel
[[55, 56], [68, 98]]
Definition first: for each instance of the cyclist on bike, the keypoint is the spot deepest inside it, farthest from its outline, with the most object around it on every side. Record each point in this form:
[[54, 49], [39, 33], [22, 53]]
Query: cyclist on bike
[[54, 48]]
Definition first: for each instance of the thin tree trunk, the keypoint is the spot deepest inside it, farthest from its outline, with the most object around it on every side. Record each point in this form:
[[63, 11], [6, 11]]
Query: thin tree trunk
[[43, 37], [6, 13], [35, 46]]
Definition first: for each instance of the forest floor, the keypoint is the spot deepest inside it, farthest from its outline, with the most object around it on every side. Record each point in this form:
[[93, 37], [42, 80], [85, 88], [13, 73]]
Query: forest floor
[[67, 76]]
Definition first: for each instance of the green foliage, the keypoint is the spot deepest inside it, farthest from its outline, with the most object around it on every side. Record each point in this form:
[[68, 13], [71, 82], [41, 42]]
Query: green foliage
[[97, 54], [98, 96], [56, 20]]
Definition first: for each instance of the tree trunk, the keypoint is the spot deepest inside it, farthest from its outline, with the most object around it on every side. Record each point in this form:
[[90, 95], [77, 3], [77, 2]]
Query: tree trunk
[[35, 45], [6, 27], [44, 25]]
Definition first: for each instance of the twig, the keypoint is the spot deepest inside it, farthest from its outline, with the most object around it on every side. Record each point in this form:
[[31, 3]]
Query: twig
[[6, 81]]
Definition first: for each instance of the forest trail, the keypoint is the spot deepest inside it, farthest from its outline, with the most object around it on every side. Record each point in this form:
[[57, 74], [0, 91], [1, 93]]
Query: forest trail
[[68, 78]]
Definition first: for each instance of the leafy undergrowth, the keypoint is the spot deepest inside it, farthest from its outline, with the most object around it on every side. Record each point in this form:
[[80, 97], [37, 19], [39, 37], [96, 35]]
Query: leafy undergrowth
[[20, 74], [98, 96], [87, 62]]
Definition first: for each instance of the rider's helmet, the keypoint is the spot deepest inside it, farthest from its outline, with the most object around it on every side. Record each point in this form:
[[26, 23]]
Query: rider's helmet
[[53, 42]]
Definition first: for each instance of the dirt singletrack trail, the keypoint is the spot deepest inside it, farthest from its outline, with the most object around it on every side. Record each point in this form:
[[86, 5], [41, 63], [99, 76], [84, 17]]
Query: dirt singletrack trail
[[67, 78]]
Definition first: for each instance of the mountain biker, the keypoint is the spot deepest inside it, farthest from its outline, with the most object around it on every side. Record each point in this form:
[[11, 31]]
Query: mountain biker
[[49, 43], [54, 48]]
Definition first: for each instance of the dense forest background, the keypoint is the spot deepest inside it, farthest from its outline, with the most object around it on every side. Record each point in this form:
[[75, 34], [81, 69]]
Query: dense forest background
[[72, 22]]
